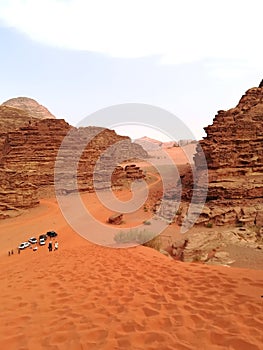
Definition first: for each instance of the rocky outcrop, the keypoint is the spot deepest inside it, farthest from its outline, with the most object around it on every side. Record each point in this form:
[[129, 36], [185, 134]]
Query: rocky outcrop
[[16, 192], [234, 158], [115, 219], [211, 246], [12, 118], [33, 150], [30, 106], [233, 150]]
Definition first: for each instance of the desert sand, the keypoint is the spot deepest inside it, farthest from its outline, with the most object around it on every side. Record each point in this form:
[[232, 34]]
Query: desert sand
[[86, 296]]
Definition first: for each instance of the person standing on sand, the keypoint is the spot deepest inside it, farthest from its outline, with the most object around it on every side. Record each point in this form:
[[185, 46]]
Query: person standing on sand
[[50, 246], [56, 245]]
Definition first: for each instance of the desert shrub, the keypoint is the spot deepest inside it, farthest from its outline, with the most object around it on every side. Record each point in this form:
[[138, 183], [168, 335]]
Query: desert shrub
[[144, 238], [125, 236], [146, 222], [209, 225]]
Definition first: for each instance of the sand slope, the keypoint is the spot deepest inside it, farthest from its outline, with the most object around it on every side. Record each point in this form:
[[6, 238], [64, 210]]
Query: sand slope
[[89, 297]]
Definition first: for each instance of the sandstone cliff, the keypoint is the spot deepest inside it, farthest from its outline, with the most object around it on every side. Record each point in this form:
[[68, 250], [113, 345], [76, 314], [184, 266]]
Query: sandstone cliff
[[29, 150], [16, 192], [234, 156]]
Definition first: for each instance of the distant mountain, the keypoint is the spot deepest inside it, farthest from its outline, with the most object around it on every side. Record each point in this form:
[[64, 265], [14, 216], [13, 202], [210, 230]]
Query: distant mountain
[[30, 106], [150, 144]]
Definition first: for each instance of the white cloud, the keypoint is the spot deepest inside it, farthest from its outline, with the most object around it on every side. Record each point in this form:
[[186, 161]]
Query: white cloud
[[177, 31]]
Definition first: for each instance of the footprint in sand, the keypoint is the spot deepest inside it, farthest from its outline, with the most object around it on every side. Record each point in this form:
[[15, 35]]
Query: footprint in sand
[[149, 312]]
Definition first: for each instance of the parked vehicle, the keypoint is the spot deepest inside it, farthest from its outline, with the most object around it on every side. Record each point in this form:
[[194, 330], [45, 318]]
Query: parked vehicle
[[42, 237], [24, 245], [42, 241], [52, 234], [32, 240]]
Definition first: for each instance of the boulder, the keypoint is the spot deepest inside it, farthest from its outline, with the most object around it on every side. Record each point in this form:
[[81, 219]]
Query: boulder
[[115, 219]]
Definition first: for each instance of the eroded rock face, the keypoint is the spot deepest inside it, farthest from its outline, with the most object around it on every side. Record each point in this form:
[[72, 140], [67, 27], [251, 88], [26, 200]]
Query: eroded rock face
[[211, 246], [33, 149], [30, 106], [234, 156], [12, 118], [233, 150], [16, 192]]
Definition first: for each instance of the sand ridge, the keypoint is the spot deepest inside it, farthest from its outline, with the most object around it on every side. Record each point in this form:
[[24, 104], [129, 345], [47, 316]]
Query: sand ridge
[[90, 297]]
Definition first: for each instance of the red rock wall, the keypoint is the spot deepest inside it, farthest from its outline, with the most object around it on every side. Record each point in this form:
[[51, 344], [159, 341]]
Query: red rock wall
[[233, 150], [234, 155], [31, 150]]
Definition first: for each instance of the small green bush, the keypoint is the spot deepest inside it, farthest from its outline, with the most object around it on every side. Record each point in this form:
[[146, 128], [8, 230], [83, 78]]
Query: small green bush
[[209, 225]]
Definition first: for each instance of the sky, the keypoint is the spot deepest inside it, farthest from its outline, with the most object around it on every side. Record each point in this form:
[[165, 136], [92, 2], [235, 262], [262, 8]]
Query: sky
[[188, 58]]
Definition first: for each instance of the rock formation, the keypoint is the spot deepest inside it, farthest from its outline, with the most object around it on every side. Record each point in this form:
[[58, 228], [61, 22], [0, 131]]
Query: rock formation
[[211, 246], [16, 192], [12, 118], [234, 156], [30, 148], [116, 219], [30, 106]]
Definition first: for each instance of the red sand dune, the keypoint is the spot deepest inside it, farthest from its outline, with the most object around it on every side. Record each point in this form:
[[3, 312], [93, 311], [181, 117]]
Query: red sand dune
[[85, 296]]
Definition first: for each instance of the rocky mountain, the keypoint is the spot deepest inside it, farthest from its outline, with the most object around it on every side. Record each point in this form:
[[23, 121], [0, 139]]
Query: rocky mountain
[[234, 158], [30, 148], [30, 106]]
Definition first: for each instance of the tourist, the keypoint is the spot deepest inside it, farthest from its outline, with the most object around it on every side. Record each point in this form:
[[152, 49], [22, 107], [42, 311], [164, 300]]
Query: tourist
[[56, 245], [50, 246]]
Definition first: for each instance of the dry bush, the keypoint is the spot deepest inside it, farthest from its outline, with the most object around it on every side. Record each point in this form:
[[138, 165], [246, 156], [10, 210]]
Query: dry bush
[[145, 238]]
